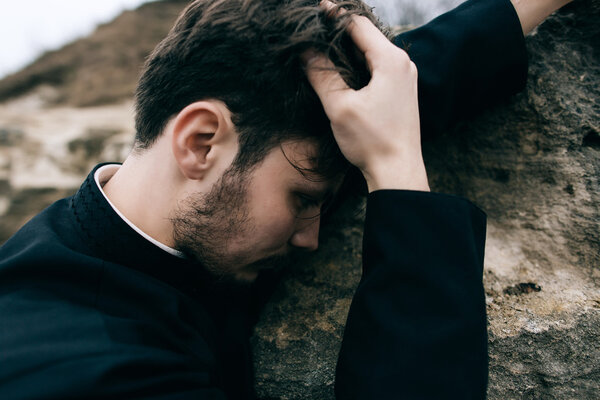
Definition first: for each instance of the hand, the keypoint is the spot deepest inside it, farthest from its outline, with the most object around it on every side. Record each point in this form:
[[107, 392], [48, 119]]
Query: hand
[[377, 127]]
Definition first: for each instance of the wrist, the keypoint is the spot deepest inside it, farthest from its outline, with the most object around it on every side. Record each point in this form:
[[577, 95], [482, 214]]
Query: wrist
[[398, 176]]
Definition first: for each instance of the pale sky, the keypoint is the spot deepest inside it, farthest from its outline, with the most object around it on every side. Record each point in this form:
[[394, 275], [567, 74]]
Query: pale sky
[[30, 27]]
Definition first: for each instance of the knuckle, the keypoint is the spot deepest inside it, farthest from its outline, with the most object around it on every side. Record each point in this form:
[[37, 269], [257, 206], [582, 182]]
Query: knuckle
[[402, 56], [413, 69], [400, 60], [343, 111]]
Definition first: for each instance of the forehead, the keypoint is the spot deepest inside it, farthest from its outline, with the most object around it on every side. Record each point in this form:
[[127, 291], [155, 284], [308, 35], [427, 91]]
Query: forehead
[[293, 163]]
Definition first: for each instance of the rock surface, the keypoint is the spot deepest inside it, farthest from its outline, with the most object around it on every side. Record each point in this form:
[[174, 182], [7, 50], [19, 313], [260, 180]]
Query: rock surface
[[532, 164], [46, 152]]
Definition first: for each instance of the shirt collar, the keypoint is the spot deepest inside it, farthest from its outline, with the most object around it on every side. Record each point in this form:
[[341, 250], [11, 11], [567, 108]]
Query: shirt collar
[[103, 175]]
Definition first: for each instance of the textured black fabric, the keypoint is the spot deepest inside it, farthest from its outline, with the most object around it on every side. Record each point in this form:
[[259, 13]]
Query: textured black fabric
[[89, 308], [468, 60], [417, 327]]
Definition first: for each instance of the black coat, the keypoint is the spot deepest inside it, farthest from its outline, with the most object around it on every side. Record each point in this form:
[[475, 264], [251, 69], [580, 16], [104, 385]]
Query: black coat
[[90, 309]]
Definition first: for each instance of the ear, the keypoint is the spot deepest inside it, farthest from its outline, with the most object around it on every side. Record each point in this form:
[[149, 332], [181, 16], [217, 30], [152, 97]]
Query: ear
[[203, 137]]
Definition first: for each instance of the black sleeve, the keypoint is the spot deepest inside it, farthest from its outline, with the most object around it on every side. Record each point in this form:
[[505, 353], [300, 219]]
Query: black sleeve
[[468, 59], [417, 324]]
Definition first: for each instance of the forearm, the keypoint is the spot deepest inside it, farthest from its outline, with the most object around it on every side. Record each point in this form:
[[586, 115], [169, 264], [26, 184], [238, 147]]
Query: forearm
[[533, 12], [417, 326]]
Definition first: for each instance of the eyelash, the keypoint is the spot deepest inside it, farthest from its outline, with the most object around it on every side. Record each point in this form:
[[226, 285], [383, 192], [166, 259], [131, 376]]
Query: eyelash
[[307, 202]]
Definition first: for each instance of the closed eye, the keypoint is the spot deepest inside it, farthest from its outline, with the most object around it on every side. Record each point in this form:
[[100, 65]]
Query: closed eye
[[307, 206], [307, 201]]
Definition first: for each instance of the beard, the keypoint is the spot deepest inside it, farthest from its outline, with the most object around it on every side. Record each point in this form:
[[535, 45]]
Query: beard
[[206, 225]]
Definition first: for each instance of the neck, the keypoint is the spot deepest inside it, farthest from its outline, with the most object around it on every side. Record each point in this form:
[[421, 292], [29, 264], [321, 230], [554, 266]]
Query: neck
[[145, 191]]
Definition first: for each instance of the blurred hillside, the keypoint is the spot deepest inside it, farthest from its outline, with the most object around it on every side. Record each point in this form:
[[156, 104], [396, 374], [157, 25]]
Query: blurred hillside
[[103, 67], [70, 109]]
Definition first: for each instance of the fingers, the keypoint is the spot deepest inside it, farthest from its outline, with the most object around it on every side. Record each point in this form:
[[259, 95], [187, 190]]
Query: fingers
[[369, 40], [324, 78], [382, 57], [329, 6], [365, 35]]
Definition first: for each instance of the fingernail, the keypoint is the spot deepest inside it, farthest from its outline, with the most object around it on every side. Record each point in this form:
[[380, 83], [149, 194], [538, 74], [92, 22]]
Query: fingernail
[[331, 8], [327, 5]]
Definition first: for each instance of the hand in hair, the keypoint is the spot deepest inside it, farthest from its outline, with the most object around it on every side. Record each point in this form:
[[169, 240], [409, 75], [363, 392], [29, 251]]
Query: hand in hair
[[377, 127]]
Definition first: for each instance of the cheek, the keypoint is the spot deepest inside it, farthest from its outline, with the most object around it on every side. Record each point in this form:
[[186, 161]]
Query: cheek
[[274, 223]]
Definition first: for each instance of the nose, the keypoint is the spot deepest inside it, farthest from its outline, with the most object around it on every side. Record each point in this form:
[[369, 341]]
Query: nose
[[306, 235]]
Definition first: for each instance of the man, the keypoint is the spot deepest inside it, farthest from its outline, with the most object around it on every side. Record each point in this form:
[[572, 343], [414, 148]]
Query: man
[[145, 283]]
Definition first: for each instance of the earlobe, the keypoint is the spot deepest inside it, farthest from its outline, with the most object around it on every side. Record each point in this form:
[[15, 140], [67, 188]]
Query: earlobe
[[198, 133]]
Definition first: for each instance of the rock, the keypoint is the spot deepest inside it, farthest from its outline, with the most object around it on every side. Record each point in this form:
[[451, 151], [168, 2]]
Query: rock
[[533, 165], [86, 149], [10, 136], [297, 340], [49, 151]]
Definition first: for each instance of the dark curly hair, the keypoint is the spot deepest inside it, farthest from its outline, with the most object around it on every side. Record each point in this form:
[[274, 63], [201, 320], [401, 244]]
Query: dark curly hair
[[247, 53]]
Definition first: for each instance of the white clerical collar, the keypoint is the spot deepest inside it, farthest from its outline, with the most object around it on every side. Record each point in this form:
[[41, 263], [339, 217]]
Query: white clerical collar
[[102, 175]]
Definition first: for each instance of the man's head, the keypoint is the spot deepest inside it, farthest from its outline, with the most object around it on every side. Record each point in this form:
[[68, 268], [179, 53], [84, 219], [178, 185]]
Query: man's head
[[229, 87], [248, 54]]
